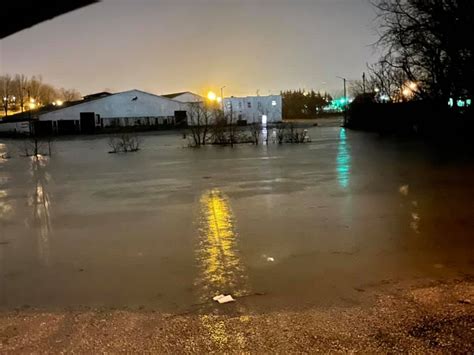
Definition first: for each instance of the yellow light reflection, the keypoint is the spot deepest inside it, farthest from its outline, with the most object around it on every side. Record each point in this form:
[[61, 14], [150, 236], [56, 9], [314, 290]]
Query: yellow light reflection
[[218, 256]]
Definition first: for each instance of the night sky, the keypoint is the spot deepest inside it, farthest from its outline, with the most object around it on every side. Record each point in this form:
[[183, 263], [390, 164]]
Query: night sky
[[166, 46]]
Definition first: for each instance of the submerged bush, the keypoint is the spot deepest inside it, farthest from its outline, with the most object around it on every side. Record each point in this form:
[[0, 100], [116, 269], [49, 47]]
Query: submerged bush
[[124, 143]]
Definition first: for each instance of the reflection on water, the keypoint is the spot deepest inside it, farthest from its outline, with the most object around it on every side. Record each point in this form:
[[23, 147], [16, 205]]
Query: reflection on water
[[5, 207], [39, 200], [218, 257], [343, 160], [414, 215], [264, 134]]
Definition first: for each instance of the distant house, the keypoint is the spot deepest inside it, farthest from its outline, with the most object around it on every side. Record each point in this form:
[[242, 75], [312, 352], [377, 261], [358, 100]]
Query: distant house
[[255, 109], [185, 96]]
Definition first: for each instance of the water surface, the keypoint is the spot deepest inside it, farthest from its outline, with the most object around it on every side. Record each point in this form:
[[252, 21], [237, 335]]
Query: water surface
[[168, 227]]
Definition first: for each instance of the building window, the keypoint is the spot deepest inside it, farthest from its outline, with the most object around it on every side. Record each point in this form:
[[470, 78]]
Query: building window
[[249, 104], [240, 105], [274, 103]]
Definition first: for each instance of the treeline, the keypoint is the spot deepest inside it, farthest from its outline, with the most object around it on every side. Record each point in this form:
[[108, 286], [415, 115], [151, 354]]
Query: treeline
[[303, 104], [424, 81], [425, 52], [20, 92]]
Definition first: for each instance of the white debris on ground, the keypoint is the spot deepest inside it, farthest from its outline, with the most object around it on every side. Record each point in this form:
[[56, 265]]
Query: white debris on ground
[[268, 258], [223, 298]]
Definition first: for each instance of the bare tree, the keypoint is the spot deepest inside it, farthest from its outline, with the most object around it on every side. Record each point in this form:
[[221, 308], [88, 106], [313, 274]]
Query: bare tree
[[6, 87], [34, 88], [48, 94], [201, 117], [36, 146], [255, 132], [426, 41], [69, 94], [20, 84], [358, 87], [280, 134], [232, 129]]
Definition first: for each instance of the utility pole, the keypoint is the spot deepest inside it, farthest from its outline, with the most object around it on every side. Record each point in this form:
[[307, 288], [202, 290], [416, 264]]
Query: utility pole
[[345, 100], [32, 127], [363, 81]]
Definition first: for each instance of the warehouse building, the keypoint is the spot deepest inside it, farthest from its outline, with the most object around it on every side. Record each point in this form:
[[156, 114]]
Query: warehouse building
[[185, 96], [125, 109], [254, 109]]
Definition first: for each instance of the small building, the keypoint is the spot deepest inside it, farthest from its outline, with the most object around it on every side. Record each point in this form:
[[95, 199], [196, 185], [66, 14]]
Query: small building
[[254, 109], [185, 96]]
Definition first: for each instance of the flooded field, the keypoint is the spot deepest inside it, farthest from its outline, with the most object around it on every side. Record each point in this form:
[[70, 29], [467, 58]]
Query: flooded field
[[282, 227]]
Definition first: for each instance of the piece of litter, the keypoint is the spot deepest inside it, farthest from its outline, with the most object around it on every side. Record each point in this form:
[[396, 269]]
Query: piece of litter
[[226, 299], [270, 259], [223, 299], [215, 298]]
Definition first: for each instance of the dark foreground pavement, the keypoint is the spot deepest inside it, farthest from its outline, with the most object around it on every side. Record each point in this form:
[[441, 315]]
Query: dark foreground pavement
[[431, 316]]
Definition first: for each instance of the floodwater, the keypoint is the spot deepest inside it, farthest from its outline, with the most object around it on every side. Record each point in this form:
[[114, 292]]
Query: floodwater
[[170, 227]]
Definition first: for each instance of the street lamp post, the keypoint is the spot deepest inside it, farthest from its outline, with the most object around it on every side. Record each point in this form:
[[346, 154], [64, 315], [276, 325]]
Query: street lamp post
[[222, 97], [345, 100]]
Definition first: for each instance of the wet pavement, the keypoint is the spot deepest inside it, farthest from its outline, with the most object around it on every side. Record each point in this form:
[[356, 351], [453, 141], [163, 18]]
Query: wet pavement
[[431, 318], [282, 228]]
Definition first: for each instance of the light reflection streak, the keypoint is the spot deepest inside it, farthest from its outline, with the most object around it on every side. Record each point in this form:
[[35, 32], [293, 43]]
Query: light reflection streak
[[414, 215], [343, 160], [217, 253], [264, 134], [40, 201], [221, 270], [5, 207]]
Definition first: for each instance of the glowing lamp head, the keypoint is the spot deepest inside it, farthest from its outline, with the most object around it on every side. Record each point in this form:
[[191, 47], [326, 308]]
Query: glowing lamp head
[[211, 96]]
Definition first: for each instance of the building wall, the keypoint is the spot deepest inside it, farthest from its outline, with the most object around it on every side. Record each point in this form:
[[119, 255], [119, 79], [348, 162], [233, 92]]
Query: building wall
[[188, 97], [252, 108], [120, 106], [22, 127]]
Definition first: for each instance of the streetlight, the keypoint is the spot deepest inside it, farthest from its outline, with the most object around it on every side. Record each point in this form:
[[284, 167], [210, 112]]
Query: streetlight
[[211, 95], [345, 100]]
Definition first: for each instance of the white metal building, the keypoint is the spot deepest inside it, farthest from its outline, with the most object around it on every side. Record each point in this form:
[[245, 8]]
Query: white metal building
[[16, 126], [255, 109], [185, 96], [128, 108]]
